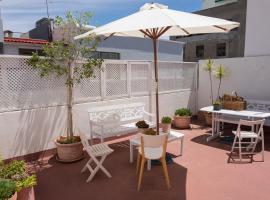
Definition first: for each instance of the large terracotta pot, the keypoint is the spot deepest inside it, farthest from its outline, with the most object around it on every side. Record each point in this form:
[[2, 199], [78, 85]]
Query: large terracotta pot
[[182, 121], [69, 152], [26, 194], [208, 118], [166, 128], [14, 197]]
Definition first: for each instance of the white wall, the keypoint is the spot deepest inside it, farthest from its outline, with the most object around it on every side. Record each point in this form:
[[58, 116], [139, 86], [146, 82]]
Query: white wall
[[257, 42], [29, 131], [248, 76]]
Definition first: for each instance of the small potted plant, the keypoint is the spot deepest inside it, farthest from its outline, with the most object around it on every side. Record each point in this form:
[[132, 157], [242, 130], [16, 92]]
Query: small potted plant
[[142, 126], [166, 124], [150, 131], [8, 189], [182, 118], [217, 105], [17, 172]]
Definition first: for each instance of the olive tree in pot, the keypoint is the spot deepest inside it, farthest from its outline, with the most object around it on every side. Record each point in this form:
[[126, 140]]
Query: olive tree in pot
[[166, 124], [182, 118], [71, 59]]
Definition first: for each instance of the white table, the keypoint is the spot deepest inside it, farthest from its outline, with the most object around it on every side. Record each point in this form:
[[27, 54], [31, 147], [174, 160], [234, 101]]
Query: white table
[[220, 116], [136, 142]]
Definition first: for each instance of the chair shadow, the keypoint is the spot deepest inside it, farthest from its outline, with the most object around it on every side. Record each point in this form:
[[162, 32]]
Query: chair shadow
[[65, 181]]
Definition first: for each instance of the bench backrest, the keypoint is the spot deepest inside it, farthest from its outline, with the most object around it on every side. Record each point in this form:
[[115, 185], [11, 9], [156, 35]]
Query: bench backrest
[[121, 112], [256, 105]]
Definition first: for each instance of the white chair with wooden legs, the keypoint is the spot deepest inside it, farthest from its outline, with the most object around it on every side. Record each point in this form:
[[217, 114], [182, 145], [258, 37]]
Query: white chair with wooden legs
[[101, 150], [254, 136], [152, 148]]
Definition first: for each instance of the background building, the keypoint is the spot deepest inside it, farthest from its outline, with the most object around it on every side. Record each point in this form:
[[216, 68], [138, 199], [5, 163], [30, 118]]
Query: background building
[[213, 3], [218, 45]]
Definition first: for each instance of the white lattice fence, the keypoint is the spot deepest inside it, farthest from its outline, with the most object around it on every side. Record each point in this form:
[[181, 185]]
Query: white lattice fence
[[22, 88], [176, 76]]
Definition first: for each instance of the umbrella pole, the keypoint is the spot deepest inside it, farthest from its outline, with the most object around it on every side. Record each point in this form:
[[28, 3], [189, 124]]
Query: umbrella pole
[[156, 83]]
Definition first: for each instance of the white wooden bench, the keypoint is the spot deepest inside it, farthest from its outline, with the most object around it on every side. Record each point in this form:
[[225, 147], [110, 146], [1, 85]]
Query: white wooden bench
[[116, 120]]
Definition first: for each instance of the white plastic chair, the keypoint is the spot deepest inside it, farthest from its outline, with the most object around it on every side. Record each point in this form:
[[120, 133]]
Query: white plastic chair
[[94, 151], [255, 135], [152, 148]]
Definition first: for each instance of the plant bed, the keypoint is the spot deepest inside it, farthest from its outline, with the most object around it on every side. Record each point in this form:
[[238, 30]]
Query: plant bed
[[182, 118], [69, 150]]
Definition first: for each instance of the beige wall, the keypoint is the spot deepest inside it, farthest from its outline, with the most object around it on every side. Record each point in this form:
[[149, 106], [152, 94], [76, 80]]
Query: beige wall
[[248, 76], [29, 131], [257, 28]]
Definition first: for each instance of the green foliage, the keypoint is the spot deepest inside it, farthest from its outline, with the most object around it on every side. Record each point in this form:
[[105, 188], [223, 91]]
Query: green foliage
[[150, 131], [209, 67], [17, 171], [220, 72], [183, 112], [67, 57], [7, 188], [142, 124], [166, 120], [217, 103], [69, 140]]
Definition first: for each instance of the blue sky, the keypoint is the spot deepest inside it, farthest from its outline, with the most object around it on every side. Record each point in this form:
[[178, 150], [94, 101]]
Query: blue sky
[[20, 15]]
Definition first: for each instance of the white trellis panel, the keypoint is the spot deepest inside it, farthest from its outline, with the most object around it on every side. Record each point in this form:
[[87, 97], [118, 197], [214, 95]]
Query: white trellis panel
[[116, 79], [176, 76], [89, 88], [22, 87], [140, 74]]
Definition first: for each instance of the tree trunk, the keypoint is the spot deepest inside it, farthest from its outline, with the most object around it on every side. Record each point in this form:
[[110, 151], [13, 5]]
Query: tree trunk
[[70, 102], [219, 85], [211, 85]]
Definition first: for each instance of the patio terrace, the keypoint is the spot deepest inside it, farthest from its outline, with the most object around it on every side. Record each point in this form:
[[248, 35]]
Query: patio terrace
[[201, 173]]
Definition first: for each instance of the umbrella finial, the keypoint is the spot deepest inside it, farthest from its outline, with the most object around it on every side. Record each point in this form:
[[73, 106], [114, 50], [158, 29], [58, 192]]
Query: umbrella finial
[[152, 5]]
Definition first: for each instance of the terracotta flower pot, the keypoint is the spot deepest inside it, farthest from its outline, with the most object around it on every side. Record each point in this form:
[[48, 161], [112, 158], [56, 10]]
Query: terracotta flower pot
[[26, 194], [166, 128], [14, 197], [182, 121], [69, 152], [208, 118]]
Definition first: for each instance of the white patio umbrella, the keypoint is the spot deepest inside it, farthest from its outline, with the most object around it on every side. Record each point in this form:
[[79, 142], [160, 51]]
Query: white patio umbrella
[[156, 20]]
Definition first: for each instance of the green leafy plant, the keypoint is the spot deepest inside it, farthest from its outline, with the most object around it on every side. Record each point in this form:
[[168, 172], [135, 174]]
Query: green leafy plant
[[64, 57], [17, 171], [7, 188], [150, 131], [209, 67], [166, 120], [183, 112], [220, 73], [218, 103], [142, 124]]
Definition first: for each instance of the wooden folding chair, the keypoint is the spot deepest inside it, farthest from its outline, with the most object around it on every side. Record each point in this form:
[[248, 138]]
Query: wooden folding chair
[[246, 141], [152, 148], [101, 150]]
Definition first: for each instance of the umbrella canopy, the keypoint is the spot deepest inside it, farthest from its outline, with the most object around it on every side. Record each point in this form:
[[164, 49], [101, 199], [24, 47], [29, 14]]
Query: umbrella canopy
[[152, 16], [155, 20]]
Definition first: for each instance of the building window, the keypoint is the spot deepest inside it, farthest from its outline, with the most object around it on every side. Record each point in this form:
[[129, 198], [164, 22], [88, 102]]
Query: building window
[[29, 52], [221, 49], [105, 55], [200, 51]]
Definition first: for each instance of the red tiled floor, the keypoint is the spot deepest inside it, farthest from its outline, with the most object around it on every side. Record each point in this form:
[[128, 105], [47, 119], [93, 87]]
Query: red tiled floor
[[202, 173]]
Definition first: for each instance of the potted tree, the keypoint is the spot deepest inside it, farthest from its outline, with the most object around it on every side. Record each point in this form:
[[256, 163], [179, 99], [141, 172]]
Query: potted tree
[[182, 118], [166, 124], [64, 57], [17, 172]]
